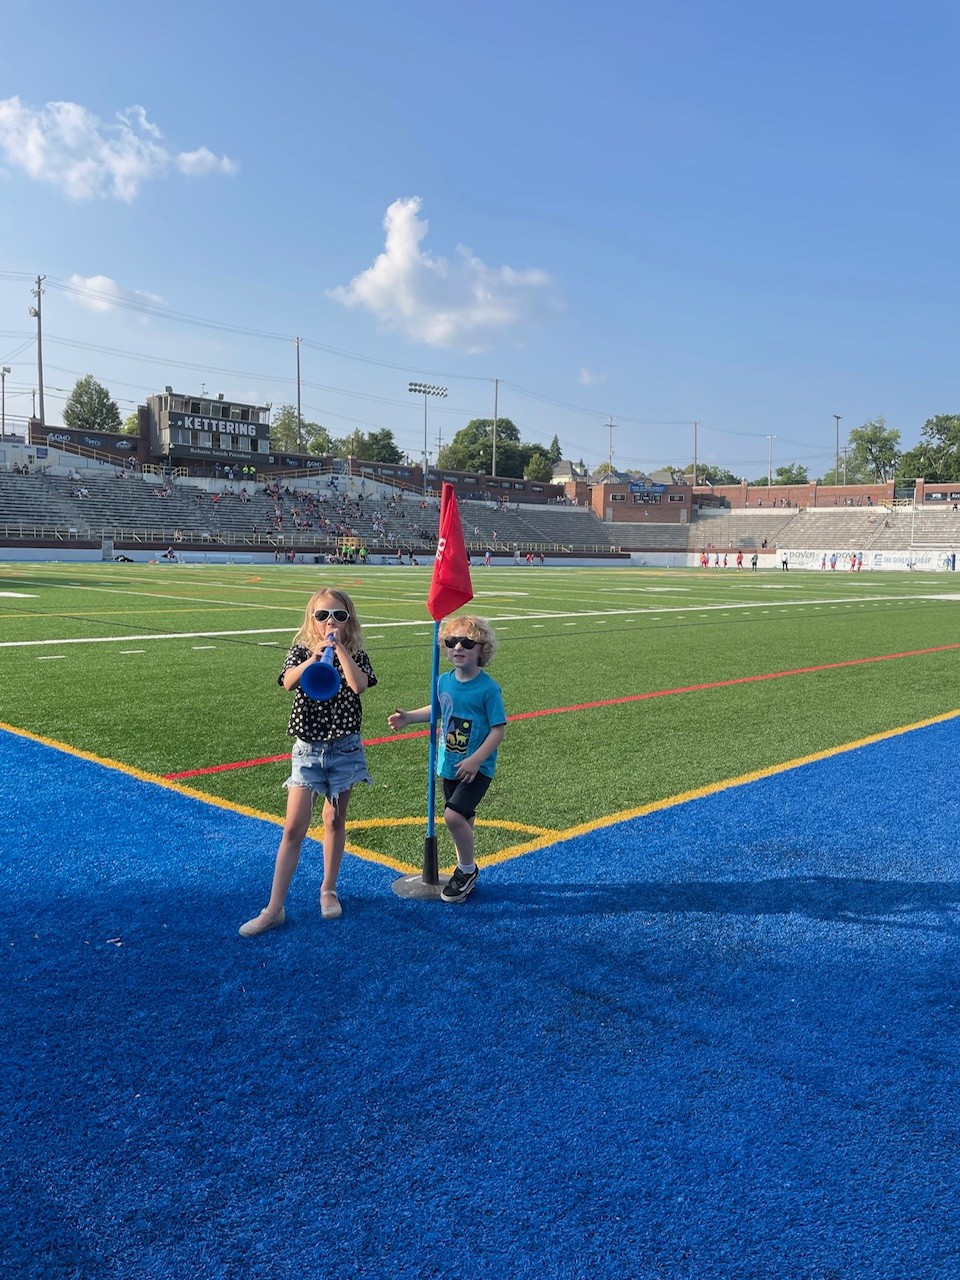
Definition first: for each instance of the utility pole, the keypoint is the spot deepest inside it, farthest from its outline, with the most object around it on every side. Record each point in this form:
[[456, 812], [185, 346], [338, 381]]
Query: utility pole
[[35, 311], [299, 414], [610, 425], [4, 370], [493, 461], [846, 450]]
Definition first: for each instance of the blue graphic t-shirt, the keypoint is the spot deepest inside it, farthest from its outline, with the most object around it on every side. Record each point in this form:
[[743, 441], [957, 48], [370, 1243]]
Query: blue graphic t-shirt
[[469, 709]]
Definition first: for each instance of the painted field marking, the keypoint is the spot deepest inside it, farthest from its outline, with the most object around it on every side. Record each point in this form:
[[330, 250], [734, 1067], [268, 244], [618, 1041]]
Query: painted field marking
[[711, 789], [51, 657], [16, 595], [544, 838], [628, 615], [606, 702]]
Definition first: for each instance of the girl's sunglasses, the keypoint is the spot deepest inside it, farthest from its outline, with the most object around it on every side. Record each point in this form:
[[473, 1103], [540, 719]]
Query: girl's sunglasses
[[452, 641], [338, 615]]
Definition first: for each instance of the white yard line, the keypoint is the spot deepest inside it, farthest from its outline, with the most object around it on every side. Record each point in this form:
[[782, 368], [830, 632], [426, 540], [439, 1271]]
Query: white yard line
[[627, 614]]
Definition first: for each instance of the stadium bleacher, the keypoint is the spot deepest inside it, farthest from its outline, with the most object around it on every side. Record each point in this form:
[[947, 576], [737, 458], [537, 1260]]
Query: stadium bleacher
[[319, 516]]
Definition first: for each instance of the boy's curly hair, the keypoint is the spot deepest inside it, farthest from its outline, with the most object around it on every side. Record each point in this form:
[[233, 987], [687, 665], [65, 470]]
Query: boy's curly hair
[[479, 629]]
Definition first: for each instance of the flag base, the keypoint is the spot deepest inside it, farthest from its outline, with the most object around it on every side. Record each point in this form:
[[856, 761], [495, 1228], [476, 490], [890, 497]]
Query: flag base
[[415, 887]]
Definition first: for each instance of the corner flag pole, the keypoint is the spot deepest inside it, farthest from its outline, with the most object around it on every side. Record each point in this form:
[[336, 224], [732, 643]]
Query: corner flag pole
[[431, 873], [450, 587]]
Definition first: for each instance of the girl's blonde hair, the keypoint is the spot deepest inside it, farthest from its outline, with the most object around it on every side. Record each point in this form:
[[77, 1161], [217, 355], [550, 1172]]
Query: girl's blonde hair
[[478, 629], [312, 633]]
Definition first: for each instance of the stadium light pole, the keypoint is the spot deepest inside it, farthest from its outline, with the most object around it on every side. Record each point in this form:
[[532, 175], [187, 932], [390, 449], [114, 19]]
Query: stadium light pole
[[770, 440], [425, 389], [836, 470], [35, 312], [4, 370]]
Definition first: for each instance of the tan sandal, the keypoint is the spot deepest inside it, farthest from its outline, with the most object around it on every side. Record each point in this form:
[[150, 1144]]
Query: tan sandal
[[262, 923], [330, 907]]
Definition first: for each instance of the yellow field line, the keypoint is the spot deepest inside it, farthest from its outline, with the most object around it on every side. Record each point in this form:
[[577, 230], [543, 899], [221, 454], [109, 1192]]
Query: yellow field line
[[544, 837]]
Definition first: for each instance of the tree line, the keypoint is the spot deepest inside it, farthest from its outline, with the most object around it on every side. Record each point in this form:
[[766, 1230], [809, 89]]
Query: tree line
[[872, 453]]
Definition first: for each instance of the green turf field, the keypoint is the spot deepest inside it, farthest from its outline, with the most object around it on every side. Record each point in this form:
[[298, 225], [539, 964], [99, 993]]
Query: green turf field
[[172, 669]]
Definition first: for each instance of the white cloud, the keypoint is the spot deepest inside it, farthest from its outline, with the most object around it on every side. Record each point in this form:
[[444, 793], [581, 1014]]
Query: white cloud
[[197, 164], [462, 304], [100, 293], [70, 148], [587, 378]]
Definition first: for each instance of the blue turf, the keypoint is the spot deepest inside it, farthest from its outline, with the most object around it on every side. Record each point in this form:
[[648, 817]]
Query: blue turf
[[719, 1041]]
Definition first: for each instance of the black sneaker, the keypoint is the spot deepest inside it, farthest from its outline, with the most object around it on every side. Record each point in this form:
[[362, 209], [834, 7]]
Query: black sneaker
[[460, 885]]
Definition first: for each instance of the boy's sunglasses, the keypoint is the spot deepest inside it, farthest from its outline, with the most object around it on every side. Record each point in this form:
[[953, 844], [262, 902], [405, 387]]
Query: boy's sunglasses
[[452, 641], [338, 615]]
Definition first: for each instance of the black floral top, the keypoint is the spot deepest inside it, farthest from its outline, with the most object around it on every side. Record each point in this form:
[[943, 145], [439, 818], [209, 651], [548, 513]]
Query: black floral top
[[324, 721]]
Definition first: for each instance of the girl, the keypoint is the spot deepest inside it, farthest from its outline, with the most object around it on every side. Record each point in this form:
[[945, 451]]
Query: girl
[[327, 756]]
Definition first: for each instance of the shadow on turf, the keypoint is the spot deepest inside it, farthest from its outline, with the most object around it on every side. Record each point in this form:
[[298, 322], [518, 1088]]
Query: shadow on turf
[[828, 898]]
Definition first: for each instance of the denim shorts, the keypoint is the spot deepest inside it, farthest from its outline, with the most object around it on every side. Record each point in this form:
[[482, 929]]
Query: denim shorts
[[328, 768]]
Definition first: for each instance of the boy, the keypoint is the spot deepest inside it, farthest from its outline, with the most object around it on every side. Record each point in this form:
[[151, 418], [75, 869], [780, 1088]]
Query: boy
[[472, 723]]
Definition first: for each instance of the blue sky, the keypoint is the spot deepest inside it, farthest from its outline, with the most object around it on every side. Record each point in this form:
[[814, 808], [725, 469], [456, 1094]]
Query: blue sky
[[721, 211]]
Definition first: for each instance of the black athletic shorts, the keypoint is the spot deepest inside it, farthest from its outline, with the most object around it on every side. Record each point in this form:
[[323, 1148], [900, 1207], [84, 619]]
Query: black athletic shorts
[[463, 797]]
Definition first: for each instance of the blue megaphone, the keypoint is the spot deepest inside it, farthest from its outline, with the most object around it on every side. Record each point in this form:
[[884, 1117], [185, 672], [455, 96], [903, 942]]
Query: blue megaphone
[[321, 680]]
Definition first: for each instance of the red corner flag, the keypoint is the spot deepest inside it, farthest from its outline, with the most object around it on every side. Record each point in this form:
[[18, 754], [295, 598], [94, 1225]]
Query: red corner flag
[[451, 586]]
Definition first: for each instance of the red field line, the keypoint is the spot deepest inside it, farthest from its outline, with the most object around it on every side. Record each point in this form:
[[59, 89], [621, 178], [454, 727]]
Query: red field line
[[604, 702]]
